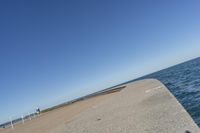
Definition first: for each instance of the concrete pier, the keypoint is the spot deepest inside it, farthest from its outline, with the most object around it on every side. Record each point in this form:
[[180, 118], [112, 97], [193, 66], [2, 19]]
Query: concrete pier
[[142, 107]]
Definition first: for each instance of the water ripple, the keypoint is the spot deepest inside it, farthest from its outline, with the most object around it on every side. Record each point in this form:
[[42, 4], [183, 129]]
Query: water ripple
[[183, 81]]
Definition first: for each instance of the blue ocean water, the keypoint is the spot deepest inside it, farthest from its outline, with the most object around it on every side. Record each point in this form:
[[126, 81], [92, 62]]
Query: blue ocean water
[[183, 81]]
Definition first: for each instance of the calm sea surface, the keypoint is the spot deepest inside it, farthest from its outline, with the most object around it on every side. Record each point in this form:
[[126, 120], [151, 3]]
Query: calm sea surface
[[183, 81]]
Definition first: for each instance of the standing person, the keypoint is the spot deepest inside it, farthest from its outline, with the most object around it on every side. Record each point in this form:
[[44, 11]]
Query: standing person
[[38, 110]]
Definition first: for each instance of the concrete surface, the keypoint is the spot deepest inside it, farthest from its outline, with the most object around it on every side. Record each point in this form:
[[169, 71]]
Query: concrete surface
[[53, 119], [142, 107]]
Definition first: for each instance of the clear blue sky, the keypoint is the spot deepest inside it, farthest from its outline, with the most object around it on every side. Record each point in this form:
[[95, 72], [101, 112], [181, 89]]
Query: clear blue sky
[[54, 51]]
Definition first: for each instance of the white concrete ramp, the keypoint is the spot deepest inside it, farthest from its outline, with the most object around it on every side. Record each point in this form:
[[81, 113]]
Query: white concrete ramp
[[142, 107]]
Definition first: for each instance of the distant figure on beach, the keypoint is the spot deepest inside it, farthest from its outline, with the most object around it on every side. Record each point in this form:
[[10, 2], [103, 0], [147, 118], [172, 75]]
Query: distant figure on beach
[[38, 110]]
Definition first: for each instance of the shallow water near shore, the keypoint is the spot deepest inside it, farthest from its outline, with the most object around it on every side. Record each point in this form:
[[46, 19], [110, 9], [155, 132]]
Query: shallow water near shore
[[183, 81]]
